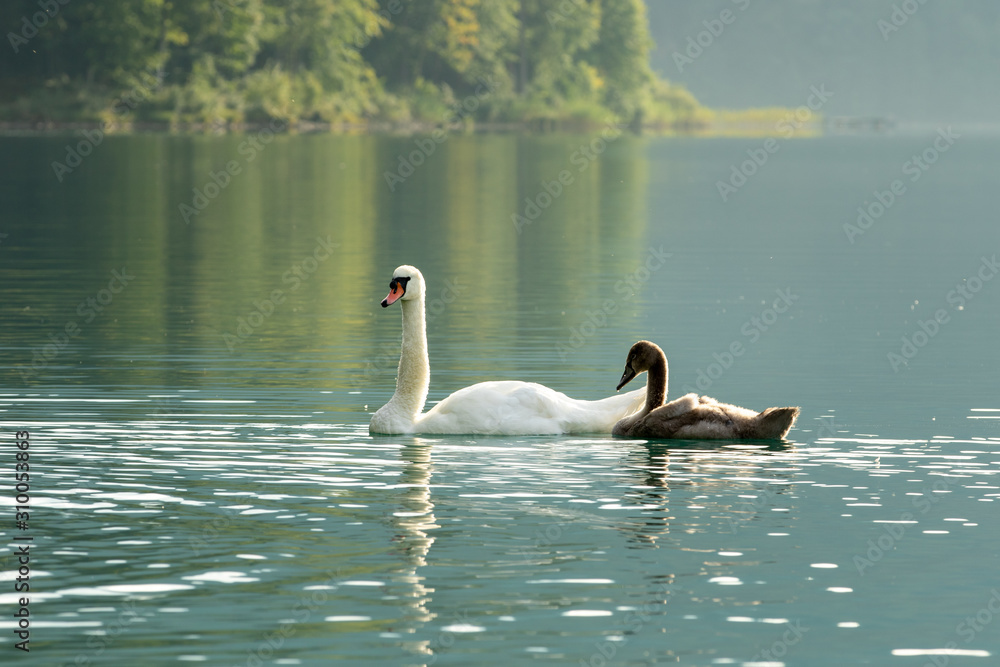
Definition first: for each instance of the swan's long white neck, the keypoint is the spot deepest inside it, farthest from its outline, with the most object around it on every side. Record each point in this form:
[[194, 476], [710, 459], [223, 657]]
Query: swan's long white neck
[[414, 374]]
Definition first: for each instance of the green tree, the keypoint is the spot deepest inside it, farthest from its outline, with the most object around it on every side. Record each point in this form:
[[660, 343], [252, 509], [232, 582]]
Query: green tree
[[553, 36], [306, 61], [116, 41], [226, 31], [621, 54]]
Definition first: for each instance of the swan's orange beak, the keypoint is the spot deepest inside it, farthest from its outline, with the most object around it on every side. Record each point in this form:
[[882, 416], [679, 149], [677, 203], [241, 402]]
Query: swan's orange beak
[[396, 290]]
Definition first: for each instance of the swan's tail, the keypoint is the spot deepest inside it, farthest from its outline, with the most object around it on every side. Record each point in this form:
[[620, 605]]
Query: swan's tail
[[601, 416], [775, 423], [625, 404]]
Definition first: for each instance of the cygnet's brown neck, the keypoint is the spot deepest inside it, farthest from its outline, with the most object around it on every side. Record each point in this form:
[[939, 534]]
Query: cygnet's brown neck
[[656, 384]]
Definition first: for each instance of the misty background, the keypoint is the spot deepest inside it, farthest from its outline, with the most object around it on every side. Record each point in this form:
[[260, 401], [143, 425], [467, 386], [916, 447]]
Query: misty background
[[942, 64]]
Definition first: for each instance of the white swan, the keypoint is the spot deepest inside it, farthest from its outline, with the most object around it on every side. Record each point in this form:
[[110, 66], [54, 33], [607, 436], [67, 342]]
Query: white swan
[[498, 408]]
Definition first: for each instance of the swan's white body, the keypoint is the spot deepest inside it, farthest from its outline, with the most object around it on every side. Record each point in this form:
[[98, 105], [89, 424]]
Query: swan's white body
[[508, 408], [497, 408]]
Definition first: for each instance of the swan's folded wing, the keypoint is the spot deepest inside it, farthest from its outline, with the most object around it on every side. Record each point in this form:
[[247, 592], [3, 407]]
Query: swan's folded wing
[[525, 408], [495, 408]]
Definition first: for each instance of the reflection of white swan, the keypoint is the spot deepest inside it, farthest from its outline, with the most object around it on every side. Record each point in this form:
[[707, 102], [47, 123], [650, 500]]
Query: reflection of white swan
[[414, 523], [501, 408]]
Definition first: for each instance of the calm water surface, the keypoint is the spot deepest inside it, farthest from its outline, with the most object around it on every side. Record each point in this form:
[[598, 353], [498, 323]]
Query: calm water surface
[[204, 489]]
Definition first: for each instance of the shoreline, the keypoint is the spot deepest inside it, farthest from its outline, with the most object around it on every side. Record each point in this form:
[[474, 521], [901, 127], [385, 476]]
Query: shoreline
[[705, 129]]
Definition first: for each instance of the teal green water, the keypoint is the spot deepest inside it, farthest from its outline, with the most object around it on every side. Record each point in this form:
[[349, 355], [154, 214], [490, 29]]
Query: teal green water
[[203, 486]]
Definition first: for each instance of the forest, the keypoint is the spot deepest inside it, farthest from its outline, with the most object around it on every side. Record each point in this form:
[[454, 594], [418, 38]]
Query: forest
[[336, 63]]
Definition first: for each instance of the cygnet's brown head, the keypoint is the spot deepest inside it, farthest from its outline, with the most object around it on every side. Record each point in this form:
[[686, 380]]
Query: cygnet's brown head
[[643, 356]]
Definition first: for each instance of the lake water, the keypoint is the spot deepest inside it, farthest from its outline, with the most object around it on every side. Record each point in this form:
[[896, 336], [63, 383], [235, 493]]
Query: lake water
[[197, 372]]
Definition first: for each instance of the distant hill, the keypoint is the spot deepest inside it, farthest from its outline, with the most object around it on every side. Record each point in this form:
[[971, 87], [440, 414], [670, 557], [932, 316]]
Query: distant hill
[[915, 60]]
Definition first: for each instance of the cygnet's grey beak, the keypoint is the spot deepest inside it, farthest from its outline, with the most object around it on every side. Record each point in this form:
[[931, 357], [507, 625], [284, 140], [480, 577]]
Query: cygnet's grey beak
[[626, 378]]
